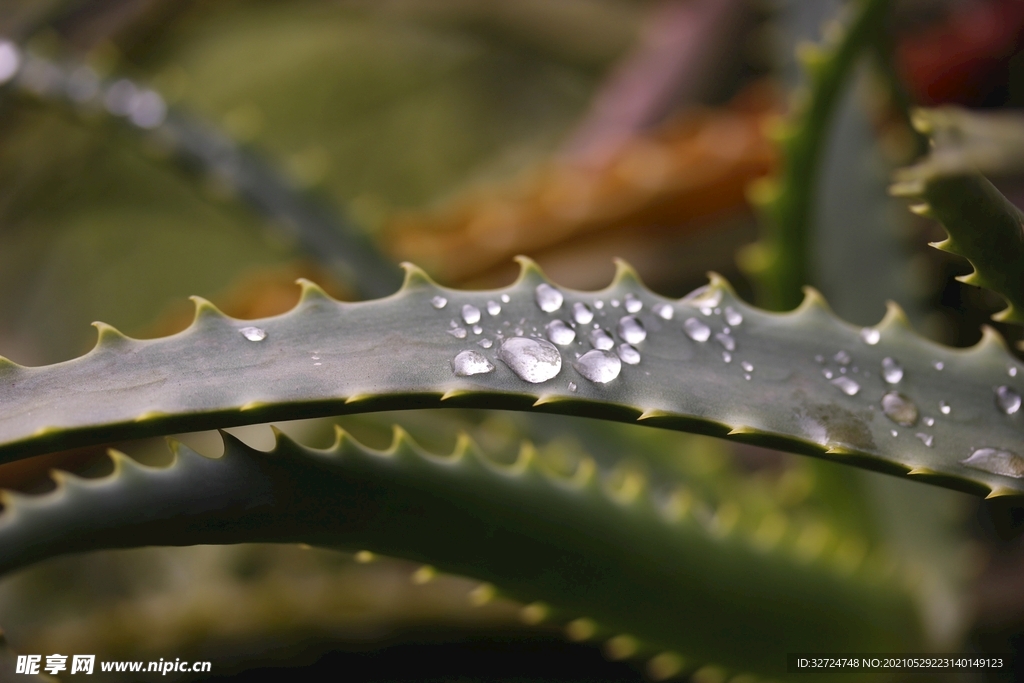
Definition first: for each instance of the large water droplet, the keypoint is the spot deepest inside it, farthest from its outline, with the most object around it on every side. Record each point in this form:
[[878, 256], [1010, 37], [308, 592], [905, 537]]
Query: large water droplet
[[598, 366], [842, 357], [892, 371], [900, 409], [601, 339], [629, 354], [631, 330], [732, 316], [996, 461], [533, 360], [581, 313], [1007, 400], [493, 307], [696, 330], [560, 333], [725, 340], [548, 298], [253, 333], [633, 305], [846, 385], [470, 314], [458, 332], [664, 311], [439, 302], [870, 335], [944, 408], [471, 363]]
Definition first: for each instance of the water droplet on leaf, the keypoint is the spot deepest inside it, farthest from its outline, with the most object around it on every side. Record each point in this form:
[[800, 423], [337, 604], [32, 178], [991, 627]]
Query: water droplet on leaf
[[633, 305], [601, 340], [631, 330], [726, 356], [471, 363], [493, 308], [560, 333], [892, 371], [927, 439], [996, 461], [726, 341], [581, 313], [900, 409], [470, 314], [842, 357], [944, 408], [485, 343], [253, 333], [732, 316], [747, 366], [870, 335], [439, 302], [548, 298], [1011, 371], [477, 329], [572, 386], [505, 298], [629, 354], [664, 311], [533, 360], [598, 366], [458, 333], [1007, 400], [929, 421], [846, 385], [696, 330]]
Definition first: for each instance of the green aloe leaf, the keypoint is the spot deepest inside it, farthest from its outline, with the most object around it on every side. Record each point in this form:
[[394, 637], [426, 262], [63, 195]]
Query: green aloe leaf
[[802, 381], [983, 226], [650, 567]]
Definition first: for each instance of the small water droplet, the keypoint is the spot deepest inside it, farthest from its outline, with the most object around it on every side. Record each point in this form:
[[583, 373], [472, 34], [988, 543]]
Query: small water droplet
[[696, 330], [842, 371], [870, 336], [317, 363], [725, 340], [470, 314], [493, 308], [747, 366], [633, 305], [746, 377], [548, 298], [842, 357], [598, 366], [900, 409], [938, 365], [560, 333], [533, 360], [846, 385], [477, 329], [732, 316], [629, 354], [726, 356], [996, 461], [631, 330], [485, 343], [894, 433], [704, 297], [892, 371], [929, 422], [927, 439], [253, 333], [828, 373], [599, 304], [458, 333], [581, 313], [601, 340], [664, 311], [505, 298], [819, 358], [944, 408], [1007, 400], [471, 363], [572, 386], [615, 303], [1011, 371], [439, 302]]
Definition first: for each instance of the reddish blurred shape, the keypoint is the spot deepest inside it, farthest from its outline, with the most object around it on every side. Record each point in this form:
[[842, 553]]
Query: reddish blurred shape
[[964, 58]]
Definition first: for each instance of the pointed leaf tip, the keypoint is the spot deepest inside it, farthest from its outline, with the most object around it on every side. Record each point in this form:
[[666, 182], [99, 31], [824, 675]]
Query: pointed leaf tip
[[529, 271], [894, 317], [1000, 491], [205, 308], [625, 274], [415, 277], [311, 291], [108, 335], [813, 300]]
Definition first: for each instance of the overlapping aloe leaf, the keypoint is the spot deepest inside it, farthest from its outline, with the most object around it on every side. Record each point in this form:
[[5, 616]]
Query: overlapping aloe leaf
[[780, 262], [654, 572], [983, 226], [802, 381]]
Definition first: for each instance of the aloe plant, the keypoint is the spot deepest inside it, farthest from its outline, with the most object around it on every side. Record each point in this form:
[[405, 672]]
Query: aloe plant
[[652, 566]]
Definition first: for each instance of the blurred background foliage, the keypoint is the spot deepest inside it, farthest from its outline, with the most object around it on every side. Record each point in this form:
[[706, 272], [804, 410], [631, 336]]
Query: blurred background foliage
[[456, 134]]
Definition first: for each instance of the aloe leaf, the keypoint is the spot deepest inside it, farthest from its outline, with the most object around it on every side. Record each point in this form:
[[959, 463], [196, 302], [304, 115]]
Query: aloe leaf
[[983, 226], [779, 262], [647, 569], [801, 381]]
